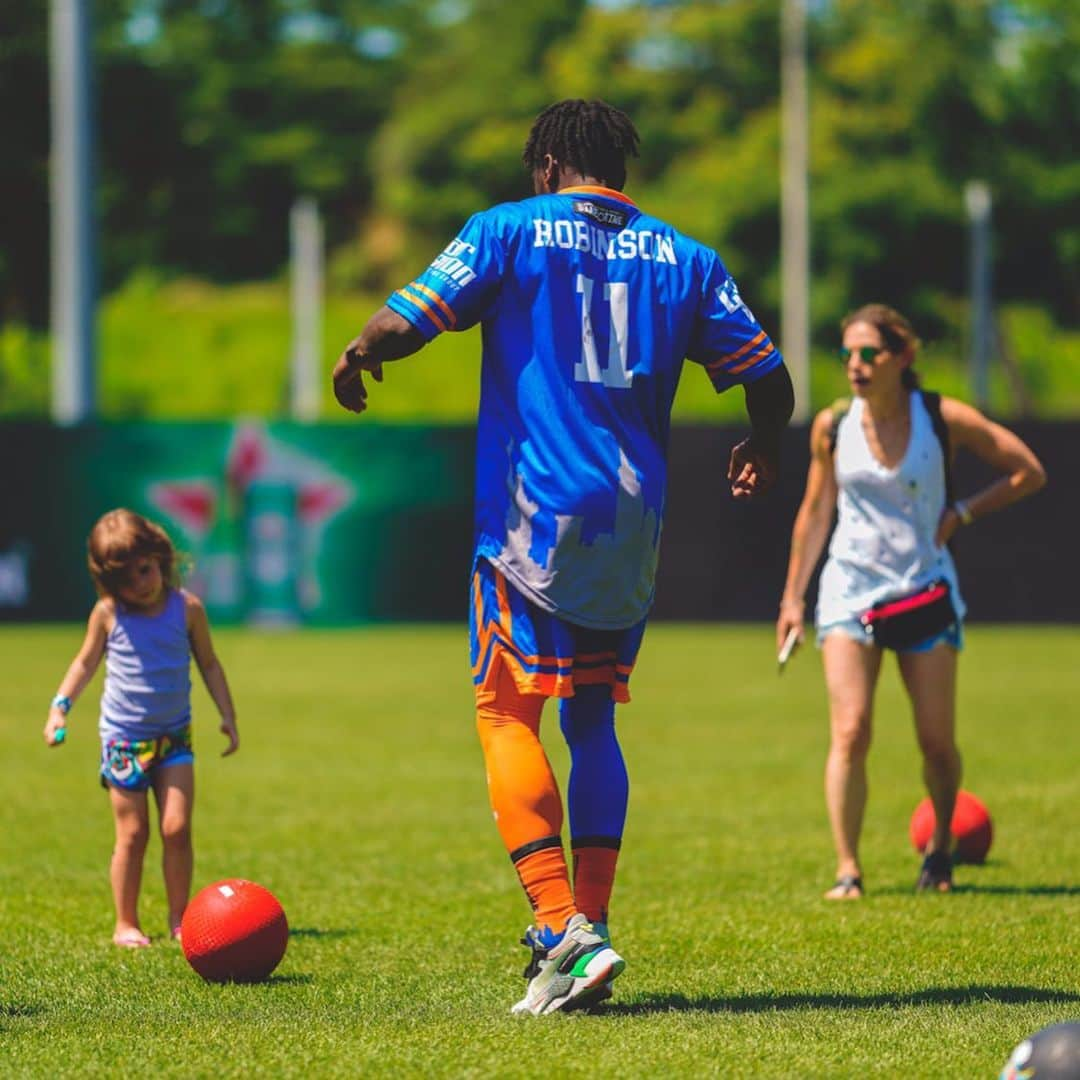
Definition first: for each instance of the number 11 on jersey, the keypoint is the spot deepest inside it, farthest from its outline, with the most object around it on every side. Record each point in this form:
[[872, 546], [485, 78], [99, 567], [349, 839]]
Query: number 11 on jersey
[[617, 373]]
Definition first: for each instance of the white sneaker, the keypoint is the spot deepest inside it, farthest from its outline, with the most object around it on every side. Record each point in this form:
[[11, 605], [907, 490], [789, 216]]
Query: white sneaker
[[582, 963]]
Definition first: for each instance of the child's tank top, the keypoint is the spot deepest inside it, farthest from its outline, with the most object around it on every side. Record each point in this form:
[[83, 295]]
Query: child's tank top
[[147, 672]]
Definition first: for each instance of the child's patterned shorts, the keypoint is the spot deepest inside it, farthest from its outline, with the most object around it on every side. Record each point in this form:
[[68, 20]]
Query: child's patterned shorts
[[128, 764], [544, 654]]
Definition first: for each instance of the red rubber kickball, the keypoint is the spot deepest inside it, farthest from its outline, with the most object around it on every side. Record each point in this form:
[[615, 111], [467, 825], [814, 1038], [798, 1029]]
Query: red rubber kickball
[[234, 931], [970, 826]]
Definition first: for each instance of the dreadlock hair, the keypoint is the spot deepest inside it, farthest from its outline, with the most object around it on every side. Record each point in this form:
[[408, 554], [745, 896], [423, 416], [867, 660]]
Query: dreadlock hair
[[592, 136]]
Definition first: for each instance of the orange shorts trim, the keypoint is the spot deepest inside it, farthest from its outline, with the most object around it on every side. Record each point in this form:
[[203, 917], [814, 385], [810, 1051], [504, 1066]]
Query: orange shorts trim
[[544, 654]]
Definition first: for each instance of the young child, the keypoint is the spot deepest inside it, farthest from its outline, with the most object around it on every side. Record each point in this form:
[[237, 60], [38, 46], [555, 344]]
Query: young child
[[147, 628]]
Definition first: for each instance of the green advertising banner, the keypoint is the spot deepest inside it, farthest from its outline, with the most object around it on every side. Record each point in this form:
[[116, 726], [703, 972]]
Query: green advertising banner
[[339, 523], [282, 523]]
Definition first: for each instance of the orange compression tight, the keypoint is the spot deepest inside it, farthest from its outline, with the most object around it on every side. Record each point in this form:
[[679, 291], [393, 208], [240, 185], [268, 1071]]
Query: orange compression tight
[[525, 799]]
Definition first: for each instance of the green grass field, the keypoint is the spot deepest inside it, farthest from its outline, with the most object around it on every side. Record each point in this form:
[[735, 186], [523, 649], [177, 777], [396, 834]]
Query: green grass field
[[358, 798]]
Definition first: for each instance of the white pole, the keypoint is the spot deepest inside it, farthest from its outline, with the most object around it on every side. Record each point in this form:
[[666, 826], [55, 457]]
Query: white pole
[[794, 205], [72, 243], [979, 203], [307, 270]]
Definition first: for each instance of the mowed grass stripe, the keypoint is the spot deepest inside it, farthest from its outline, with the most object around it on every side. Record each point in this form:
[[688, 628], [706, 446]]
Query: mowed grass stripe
[[358, 798]]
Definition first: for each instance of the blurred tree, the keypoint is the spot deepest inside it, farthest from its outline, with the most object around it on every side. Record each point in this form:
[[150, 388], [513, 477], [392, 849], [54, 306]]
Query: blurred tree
[[702, 83], [699, 80], [249, 103], [211, 118], [1038, 189], [912, 98], [405, 116], [903, 109], [454, 142]]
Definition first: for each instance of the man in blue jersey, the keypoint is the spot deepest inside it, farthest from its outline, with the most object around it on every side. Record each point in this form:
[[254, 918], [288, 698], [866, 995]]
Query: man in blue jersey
[[589, 307]]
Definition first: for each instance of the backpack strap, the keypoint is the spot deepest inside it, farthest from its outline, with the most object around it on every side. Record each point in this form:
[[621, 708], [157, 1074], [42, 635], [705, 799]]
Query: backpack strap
[[839, 409], [932, 401]]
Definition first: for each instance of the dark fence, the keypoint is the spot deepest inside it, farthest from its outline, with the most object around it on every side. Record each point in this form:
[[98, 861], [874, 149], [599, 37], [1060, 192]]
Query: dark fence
[[338, 523], [728, 560]]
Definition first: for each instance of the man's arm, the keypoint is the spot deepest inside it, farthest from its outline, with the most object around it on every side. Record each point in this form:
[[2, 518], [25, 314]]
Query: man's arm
[[387, 336], [770, 401]]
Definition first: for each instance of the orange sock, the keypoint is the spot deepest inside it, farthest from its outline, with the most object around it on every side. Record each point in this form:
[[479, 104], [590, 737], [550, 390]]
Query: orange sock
[[525, 799], [594, 876]]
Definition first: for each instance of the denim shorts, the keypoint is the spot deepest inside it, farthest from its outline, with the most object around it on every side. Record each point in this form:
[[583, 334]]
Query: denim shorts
[[129, 764], [952, 635]]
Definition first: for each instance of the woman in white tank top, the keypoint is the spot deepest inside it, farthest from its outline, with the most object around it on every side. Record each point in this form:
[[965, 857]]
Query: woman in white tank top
[[882, 468]]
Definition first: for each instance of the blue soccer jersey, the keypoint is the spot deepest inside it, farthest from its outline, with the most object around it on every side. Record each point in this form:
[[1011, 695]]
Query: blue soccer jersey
[[588, 308]]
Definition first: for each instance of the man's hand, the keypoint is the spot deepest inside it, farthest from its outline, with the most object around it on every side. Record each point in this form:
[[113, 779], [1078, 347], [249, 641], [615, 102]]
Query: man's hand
[[769, 402], [751, 471], [387, 336], [349, 388]]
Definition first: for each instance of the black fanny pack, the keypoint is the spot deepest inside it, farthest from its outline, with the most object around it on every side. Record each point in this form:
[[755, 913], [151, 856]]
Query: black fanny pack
[[907, 620]]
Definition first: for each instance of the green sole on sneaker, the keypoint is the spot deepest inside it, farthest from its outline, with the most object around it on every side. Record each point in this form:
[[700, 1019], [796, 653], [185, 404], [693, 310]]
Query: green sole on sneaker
[[580, 966], [569, 992]]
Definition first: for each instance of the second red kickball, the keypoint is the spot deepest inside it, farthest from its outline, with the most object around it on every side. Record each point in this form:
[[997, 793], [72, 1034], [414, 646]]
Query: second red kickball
[[971, 827], [234, 931]]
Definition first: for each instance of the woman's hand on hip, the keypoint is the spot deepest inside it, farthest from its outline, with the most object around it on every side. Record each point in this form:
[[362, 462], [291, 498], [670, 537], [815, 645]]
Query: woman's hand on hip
[[947, 525]]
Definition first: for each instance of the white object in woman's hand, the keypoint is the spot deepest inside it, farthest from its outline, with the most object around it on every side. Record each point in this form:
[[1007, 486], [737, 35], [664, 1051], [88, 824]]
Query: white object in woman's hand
[[791, 643]]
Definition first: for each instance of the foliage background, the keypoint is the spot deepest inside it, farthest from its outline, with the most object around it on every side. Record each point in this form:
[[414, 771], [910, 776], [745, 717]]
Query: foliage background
[[402, 117]]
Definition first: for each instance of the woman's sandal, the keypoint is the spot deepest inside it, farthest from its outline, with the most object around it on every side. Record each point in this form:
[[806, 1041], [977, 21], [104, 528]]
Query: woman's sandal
[[936, 873], [846, 887]]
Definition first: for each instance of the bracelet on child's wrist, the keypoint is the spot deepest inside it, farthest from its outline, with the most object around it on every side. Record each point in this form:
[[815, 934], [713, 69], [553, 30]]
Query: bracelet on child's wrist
[[62, 702]]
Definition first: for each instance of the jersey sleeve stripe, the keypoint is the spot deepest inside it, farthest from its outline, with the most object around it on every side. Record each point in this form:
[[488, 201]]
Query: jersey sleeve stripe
[[442, 305], [724, 362], [752, 359], [425, 308]]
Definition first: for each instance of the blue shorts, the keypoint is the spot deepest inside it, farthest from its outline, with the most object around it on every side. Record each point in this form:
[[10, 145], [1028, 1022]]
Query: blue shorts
[[952, 635], [129, 764], [544, 654]]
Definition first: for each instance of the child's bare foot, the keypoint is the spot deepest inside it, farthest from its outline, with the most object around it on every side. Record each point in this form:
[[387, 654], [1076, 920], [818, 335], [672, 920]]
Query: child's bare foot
[[174, 933], [130, 937]]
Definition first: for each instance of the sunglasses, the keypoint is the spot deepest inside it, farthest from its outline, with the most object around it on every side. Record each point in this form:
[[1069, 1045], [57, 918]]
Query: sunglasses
[[865, 354]]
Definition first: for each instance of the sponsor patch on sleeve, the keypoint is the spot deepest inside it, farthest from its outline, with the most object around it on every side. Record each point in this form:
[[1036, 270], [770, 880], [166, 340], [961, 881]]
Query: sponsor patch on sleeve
[[728, 295]]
